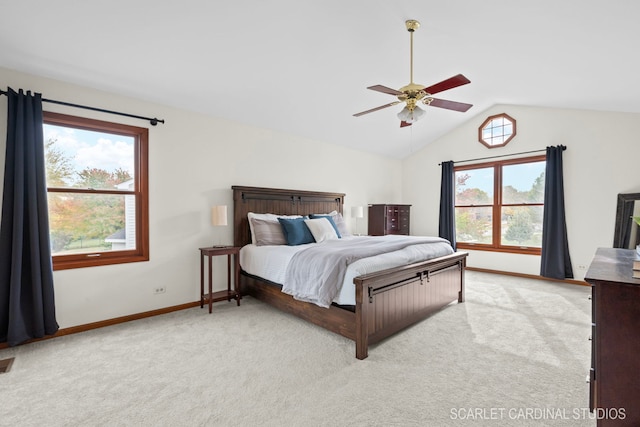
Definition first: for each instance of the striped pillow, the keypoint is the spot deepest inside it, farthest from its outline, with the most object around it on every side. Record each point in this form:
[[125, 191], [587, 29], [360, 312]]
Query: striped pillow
[[267, 232]]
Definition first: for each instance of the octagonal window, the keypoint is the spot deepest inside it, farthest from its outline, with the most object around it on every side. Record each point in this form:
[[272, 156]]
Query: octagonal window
[[497, 130]]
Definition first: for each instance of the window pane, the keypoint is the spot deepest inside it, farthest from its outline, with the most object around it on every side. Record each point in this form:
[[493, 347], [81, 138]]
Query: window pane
[[523, 183], [81, 223], [474, 187], [77, 158], [508, 129], [473, 225], [522, 226]]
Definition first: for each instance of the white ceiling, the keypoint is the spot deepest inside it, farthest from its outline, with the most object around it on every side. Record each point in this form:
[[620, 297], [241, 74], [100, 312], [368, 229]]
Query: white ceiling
[[302, 66]]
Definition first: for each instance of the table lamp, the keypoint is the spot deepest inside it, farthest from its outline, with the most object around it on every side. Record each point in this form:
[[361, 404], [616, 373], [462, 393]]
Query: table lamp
[[357, 212], [219, 218]]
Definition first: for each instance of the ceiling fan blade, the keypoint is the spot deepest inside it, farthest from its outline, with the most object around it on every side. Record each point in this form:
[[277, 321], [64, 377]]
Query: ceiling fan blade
[[450, 83], [450, 105], [376, 109], [404, 124], [384, 89]]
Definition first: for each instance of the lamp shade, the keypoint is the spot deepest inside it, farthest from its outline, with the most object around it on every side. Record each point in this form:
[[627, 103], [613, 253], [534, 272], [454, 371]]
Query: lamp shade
[[357, 212], [418, 113], [219, 215], [411, 116], [405, 114]]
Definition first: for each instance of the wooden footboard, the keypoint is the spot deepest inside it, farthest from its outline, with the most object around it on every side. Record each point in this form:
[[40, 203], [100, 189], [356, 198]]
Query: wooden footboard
[[386, 301], [390, 300]]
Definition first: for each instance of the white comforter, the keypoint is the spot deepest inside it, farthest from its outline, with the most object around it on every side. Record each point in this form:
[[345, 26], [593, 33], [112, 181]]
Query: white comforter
[[271, 262]]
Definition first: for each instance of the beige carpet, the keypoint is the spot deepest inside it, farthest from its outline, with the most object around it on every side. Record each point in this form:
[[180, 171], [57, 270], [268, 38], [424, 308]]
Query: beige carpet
[[516, 353]]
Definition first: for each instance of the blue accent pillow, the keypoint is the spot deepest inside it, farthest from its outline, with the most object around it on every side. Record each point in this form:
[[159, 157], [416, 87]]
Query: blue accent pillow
[[331, 221], [296, 231]]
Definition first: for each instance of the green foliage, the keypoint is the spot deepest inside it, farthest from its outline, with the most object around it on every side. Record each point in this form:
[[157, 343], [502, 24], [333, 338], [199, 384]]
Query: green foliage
[[76, 217], [512, 195], [97, 216], [60, 240], [473, 196], [58, 168], [536, 194], [520, 227], [473, 224], [120, 175], [470, 228], [100, 178]]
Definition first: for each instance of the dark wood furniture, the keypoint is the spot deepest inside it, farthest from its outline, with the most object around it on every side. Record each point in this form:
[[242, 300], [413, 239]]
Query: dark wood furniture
[[386, 301], [615, 341], [389, 219], [230, 293]]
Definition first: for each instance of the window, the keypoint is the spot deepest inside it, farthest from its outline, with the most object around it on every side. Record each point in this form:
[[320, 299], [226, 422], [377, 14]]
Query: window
[[497, 130], [499, 205], [97, 189]]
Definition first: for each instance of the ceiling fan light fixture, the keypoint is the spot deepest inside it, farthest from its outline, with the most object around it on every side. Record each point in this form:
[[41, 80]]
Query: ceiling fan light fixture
[[404, 114], [418, 113], [411, 116]]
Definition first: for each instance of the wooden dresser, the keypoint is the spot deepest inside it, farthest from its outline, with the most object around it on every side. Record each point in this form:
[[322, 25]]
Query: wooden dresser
[[614, 379], [388, 219]]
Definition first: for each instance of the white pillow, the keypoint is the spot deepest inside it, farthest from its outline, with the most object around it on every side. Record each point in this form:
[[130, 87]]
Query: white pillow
[[267, 217], [343, 228], [321, 229]]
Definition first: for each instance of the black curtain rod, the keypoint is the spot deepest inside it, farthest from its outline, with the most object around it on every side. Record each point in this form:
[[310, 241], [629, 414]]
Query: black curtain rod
[[504, 155], [153, 121]]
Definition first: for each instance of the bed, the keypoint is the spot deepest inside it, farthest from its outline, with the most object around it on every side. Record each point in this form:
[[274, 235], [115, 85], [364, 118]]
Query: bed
[[386, 301]]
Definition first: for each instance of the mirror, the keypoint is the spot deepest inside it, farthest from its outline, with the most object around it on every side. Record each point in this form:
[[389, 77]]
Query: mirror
[[627, 233]]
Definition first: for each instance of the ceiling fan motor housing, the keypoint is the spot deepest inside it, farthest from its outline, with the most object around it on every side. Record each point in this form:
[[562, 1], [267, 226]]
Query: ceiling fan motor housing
[[412, 93]]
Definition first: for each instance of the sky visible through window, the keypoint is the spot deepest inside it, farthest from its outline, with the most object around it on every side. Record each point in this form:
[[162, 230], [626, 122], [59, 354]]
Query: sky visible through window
[[89, 149], [521, 177]]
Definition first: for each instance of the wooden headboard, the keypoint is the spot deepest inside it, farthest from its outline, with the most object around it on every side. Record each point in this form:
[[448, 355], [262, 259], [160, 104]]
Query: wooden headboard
[[277, 201]]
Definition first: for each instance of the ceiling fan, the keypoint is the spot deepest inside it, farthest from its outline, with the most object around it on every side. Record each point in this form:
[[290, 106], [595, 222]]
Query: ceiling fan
[[414, 93]]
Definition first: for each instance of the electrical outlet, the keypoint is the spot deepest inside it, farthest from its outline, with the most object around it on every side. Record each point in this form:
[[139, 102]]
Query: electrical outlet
[[582, 267], [159, 290]]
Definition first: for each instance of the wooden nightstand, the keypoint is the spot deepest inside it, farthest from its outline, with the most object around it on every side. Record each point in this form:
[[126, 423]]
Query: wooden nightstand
[[228, 294]]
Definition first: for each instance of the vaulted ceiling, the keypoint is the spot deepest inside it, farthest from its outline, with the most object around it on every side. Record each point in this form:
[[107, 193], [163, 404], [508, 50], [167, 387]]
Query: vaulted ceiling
[[302, 67]]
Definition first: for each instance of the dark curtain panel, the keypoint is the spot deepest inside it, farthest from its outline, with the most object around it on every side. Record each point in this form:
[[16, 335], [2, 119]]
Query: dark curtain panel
[[555, 260], [447, 227], [27, 307]]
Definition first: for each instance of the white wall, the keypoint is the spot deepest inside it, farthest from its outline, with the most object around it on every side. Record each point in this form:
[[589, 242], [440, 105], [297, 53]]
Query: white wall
[[193, 162], [601, 161]]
